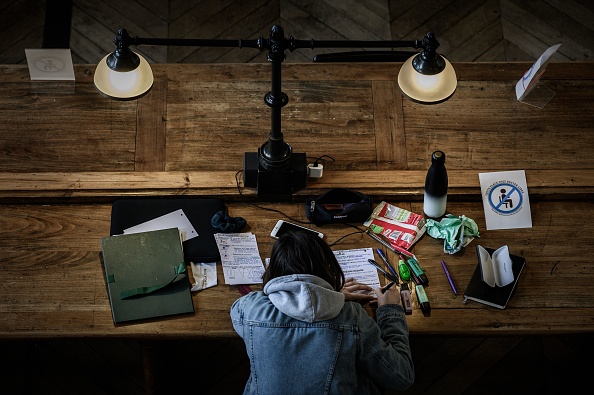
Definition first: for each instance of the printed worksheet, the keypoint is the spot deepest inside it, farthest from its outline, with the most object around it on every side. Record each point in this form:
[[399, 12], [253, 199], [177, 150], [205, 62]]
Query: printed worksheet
[[355, 264], [240, 258]]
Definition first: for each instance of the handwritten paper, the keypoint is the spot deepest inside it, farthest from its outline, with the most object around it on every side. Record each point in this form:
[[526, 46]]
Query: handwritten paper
[[354, 263], [240, 258]]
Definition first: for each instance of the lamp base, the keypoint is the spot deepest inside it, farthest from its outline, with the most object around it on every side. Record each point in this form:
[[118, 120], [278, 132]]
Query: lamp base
[[278, 185]]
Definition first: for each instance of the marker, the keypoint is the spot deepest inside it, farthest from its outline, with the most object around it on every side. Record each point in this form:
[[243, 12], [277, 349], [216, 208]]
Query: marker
[[422, 298], [403, 269], [416, 269], [445, 269], [405, 296]]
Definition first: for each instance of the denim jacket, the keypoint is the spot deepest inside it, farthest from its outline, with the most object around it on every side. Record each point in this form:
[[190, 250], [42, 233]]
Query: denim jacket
[[303, 338]]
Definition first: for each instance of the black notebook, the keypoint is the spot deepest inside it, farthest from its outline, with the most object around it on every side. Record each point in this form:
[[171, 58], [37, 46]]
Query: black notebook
[[146, 275], [478, 291], [126, 213]]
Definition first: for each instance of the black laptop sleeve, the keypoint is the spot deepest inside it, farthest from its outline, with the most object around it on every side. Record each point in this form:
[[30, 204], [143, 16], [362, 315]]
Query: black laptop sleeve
[[126, 213]]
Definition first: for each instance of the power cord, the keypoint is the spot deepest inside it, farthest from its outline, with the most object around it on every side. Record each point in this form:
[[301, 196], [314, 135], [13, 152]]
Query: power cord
[[316, 169], [359, 230]]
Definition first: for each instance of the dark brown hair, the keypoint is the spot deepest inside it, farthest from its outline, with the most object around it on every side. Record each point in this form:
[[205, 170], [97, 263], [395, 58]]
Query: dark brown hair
[[304, 253]]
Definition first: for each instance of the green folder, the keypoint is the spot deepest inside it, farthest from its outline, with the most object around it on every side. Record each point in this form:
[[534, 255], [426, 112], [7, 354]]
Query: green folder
[[146, 275]]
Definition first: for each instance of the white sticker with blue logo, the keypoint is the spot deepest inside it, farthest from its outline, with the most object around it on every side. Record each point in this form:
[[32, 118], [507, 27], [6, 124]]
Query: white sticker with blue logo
[[505, 200]]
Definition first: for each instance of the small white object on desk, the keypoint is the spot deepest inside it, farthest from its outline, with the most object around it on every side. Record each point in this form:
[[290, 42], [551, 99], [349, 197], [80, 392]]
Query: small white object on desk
[[50, 64]]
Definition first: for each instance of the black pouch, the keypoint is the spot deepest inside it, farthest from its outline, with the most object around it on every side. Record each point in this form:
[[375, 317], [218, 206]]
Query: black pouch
[[338, 205]]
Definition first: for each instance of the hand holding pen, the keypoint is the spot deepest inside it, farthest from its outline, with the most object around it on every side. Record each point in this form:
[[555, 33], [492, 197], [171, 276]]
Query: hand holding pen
[[388, 296], [404, 291]]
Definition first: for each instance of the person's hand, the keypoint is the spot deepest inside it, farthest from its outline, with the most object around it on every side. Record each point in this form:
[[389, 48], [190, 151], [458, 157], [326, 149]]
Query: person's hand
[[389, 296], [357, 292]]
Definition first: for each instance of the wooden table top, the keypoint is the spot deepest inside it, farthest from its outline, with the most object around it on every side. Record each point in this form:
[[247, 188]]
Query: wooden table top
[[66, 153]]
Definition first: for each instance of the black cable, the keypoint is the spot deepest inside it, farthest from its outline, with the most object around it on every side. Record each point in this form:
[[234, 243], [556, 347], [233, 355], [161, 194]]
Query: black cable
[[359, 230], [321, 158]]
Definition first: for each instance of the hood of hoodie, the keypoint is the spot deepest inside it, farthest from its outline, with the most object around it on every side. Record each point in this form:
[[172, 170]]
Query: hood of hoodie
[[304, 297]]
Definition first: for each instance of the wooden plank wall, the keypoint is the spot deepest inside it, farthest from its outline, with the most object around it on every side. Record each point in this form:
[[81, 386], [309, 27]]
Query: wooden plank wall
[[479, 30]]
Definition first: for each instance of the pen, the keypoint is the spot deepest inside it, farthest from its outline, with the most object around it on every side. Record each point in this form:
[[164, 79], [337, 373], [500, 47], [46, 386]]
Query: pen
[[385, 273], [385, 259], [445, 269], [379, 240], [387, 287], [395, 250]]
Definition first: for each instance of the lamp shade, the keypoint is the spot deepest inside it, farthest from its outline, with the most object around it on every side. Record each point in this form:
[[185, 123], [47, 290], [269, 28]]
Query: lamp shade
[[126, 85], [427, 88]]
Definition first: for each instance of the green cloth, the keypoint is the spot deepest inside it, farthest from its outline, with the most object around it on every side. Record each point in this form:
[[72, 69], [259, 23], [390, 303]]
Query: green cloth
[[457, 231]]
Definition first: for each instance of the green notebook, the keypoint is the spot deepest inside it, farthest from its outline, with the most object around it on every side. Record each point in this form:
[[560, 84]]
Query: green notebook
[[146, 275]]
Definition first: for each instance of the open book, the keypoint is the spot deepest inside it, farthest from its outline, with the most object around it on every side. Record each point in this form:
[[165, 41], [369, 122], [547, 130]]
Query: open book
[[495, 277]]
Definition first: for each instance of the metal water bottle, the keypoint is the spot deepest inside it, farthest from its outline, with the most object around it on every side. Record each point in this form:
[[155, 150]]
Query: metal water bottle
[[436, 187]]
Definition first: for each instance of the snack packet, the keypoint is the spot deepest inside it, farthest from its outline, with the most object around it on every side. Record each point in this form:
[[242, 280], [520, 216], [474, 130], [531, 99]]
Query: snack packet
[[400, 227]]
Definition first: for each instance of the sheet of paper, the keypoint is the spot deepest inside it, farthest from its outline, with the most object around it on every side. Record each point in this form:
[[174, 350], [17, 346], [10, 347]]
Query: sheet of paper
[[175, 219], [505, 200], [531, 77], [240, 258], [354, 263], [50, 64]]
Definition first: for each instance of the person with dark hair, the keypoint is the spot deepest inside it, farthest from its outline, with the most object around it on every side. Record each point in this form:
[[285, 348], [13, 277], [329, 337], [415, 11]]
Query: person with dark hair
[[307, 333]]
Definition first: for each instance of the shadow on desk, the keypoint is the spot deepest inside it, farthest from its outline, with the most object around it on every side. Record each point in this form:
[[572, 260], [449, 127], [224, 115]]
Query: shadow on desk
[[444, 365]]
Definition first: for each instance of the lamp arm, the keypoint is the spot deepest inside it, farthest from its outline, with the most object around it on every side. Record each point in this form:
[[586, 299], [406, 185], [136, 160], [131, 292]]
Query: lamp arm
[[313, 44], [291, 43], [199, 42]]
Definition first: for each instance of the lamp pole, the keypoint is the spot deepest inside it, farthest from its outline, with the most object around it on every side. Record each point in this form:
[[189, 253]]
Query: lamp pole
[[275, 170], [275, 152]]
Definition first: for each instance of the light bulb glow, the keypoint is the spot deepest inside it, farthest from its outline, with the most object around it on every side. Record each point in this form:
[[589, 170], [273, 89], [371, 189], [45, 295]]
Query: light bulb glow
[[123, 82], [123, 85], [427, 88]]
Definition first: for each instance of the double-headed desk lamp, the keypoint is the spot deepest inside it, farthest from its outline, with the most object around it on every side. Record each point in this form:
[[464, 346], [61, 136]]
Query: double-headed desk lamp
[[275, 171]]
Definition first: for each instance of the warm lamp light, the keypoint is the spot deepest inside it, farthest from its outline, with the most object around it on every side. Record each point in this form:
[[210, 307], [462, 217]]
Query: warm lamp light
[[124, 85], [425, 88], [275, 170]]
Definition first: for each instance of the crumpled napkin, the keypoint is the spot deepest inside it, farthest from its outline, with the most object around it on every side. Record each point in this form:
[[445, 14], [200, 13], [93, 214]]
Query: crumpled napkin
[[205, 275], [457, 231]]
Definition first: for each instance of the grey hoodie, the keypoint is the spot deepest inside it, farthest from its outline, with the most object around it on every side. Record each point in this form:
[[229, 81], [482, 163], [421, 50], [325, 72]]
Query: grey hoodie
[[304, 297]]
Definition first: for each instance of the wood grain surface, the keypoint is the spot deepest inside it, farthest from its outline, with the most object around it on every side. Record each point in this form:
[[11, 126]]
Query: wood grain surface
[[64, 157]]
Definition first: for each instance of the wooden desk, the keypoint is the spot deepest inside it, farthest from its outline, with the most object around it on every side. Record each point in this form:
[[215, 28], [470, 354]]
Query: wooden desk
[[65, 157]]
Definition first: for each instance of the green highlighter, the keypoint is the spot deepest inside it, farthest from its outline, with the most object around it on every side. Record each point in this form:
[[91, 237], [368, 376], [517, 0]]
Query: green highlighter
[[403, 270]]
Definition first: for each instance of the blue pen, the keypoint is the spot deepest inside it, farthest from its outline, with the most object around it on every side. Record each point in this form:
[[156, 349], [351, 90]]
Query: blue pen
[[385, 259]]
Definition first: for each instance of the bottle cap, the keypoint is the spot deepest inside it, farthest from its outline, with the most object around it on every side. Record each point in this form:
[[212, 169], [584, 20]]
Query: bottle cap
[[438, 156]]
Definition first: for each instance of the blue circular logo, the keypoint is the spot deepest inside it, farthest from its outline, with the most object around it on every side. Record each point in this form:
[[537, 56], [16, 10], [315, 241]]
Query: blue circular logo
[[505, 198]]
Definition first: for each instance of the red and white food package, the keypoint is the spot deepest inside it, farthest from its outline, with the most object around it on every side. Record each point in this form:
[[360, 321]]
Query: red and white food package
[[400, 227]]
